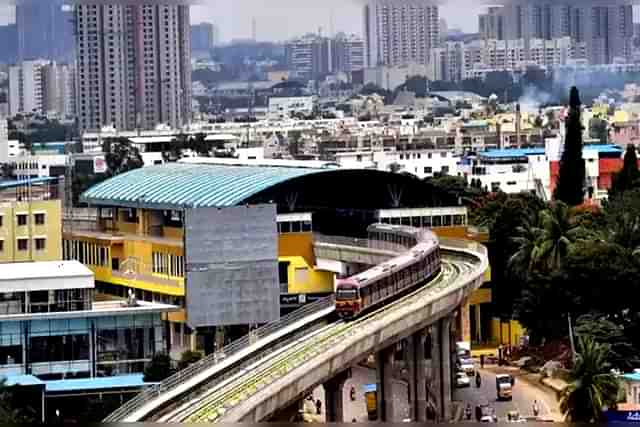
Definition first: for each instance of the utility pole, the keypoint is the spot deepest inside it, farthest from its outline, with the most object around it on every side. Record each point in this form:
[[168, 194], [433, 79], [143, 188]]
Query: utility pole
[[573, 346]]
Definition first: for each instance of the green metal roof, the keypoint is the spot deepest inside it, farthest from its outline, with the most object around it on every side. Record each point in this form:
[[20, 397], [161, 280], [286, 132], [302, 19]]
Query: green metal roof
[[178, 185]]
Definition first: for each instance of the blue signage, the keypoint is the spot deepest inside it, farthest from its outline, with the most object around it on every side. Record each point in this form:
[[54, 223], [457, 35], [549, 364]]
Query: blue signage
[[623, 416]]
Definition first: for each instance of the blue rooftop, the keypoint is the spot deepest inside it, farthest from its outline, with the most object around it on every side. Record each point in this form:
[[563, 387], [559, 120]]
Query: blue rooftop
[[632, 377], [512, 152], [23, 380], [604, 148], [19, 183], [181, 185], [100, 383]]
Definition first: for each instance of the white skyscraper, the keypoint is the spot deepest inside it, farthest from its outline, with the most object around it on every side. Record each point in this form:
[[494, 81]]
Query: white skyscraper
[[134, 64], [399, 32]]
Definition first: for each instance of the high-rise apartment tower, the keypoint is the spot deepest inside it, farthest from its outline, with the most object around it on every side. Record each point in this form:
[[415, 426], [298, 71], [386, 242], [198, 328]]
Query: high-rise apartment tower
[[133, 65], [399, 32]]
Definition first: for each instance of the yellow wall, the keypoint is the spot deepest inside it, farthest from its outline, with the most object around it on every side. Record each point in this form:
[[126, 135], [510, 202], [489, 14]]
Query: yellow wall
[[317, 281], [297, 244], [51, 231], [500, 332], [480, 296]]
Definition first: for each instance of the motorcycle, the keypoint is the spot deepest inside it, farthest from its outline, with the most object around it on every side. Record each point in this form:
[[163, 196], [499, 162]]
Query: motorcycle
[[478, 381]]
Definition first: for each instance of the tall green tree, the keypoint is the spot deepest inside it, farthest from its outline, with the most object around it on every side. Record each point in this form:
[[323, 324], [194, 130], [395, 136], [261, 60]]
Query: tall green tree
[[570, 187], [13, 408], [527, 257], [592, 386], [629, 175]]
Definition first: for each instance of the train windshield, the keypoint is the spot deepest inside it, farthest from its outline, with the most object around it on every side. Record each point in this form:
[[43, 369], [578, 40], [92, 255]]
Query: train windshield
[[346, 294]]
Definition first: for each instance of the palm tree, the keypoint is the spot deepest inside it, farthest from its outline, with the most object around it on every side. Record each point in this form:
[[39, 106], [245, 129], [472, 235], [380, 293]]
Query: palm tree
[[560, 232], [592, 386], [528, 238]]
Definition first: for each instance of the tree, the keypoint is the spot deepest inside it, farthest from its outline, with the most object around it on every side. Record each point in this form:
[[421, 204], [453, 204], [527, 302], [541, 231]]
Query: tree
[[121, 156], [592, 386], [629, 175], [570, 187], [603, 329], [560, 231], [158, 369], [200, 145], [529, 238], [13, 408], [188, 357]]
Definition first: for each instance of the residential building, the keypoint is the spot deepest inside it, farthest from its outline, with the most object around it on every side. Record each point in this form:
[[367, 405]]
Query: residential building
[[390, 77], [58, 92], [491, 24], [204, 37], [606, 28], [43, 87], [134, 65], [447, 62], [9, 149], [309, 57], [284, 107], [44, 30], [26, 87], [398, 32], [30, 222], [347, 53]]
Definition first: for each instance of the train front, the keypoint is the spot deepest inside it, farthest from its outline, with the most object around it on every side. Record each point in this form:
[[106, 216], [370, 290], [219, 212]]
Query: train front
[[348, 302]]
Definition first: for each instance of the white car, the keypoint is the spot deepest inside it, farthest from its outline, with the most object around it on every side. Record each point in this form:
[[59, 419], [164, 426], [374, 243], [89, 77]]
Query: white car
[[462, 380], [467, 366]]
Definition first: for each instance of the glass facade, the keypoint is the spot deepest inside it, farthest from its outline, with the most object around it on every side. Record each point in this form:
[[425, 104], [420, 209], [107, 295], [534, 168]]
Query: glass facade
[[80, 348], [46, 301]]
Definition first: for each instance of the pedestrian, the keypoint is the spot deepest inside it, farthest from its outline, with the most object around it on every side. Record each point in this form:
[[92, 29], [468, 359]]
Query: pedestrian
[[478, 413], [354, 420], [482, 361], [318, 407]]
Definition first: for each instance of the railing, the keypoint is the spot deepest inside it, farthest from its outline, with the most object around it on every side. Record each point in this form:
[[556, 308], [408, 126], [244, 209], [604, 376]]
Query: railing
[[356, 242], [213, 359]]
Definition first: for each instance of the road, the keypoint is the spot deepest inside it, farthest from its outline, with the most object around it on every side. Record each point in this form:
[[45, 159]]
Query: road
[[357, 409], [524, 393]]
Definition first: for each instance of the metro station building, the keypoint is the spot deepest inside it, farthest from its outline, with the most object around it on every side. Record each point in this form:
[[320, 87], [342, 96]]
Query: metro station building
[[136, 236]]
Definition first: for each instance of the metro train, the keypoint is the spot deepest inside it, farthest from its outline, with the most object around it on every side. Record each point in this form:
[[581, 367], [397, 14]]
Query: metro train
[[418, 262]]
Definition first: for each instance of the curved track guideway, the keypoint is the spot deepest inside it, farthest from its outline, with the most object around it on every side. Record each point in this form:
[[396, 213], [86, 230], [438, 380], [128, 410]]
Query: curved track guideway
[[219, 401]]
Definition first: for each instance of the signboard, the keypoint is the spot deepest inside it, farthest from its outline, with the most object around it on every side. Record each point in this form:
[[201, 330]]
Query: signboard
[[623, 416], [231, 257], [99, 165], [298, 300]]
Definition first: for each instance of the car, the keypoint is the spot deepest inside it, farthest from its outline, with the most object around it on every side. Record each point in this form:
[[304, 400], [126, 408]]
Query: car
[[488, 419], [467, 366], [462, 380]]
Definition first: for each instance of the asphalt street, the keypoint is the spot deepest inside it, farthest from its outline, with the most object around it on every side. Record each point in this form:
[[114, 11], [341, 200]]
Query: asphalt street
[[524, 395]]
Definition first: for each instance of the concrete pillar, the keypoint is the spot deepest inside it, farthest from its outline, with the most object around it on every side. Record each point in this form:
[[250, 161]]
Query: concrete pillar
[[411, 365], [384, 371], [478, 324], [445, 334], [419, 390], [436, 367], [334, 397]]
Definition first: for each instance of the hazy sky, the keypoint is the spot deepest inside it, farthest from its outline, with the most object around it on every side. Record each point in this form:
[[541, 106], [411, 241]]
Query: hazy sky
[[282, 19]]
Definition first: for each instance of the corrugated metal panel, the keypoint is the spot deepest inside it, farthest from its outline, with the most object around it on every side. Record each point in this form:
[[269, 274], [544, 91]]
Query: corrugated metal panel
[[189, 185]]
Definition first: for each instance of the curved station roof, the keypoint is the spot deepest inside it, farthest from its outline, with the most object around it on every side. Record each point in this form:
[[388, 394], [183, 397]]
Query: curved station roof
[[175, 185]]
